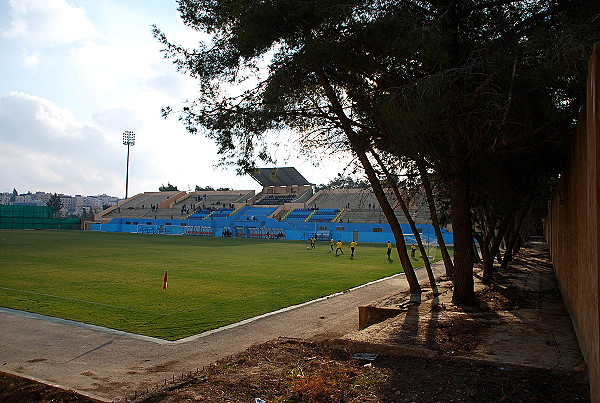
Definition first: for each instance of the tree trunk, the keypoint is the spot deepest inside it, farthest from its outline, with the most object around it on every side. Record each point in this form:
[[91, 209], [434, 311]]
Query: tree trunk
[[488, 260], [410, 220], [495, 250], [488, 226], [464, 292], [518, 243], [434, 219], [510, 246], [516, 233], [476, 257], [359, 150], [411, 277]]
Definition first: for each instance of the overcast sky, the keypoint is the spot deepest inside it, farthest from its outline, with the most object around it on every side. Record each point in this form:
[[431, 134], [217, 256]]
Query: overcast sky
[[76, 74]]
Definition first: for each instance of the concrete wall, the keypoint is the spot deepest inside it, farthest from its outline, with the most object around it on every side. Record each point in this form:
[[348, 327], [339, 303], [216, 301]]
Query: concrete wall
[[345, 232], [572, 229]]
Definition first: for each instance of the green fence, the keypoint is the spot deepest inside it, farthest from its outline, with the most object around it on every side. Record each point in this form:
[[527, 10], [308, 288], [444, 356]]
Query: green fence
[[34, 217]]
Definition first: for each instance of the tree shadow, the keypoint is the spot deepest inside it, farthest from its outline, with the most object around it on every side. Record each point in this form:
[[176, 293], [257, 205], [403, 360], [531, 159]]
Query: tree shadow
[[410, 326]]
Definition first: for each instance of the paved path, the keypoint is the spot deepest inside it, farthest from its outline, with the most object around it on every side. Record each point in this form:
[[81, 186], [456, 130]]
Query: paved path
[[110, 365]]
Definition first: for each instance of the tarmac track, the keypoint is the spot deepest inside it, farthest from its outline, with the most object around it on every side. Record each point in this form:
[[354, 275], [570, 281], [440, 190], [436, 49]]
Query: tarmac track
[[109, 365]]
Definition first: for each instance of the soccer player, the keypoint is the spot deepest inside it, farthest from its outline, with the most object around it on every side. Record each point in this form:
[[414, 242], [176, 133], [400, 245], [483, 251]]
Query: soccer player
[[389, 250], [352, 246], [312, 242], [413, 249], [331, 243], [338, 247]]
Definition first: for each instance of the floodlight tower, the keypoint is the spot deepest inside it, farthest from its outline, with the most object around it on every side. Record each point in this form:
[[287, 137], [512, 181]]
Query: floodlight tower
[[128, 140]]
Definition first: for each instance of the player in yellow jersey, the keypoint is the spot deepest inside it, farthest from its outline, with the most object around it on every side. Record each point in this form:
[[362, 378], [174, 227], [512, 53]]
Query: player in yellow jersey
[[331, 243], [413, 249], [338, 247], [352, 246], [389, 250]]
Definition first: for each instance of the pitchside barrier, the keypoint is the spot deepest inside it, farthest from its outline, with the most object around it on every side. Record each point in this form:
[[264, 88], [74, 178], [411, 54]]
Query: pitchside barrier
[[266, 233], [148, 229], [34, 217], [159, 229], [198, 231]]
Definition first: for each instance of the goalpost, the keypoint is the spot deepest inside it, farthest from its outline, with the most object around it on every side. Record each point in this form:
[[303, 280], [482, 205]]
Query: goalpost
[[88, 224], [430, 244]]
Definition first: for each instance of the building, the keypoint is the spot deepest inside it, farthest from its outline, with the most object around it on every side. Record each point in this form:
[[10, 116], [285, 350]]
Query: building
[[71, 205]]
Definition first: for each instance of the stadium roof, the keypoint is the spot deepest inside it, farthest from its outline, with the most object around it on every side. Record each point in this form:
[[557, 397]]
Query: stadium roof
[[278, 177]]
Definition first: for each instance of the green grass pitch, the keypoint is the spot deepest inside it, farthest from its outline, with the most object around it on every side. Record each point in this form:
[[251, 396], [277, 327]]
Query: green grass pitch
[[115, 279]]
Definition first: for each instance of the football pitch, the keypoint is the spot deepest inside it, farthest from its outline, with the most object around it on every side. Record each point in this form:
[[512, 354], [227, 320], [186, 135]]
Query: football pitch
[[116, 280]]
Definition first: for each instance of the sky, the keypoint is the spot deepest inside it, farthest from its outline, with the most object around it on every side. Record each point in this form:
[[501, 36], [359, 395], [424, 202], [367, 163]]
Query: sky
[[76, 74]]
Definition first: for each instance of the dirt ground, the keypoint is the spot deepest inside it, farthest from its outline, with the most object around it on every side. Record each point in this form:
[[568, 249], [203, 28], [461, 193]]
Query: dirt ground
[[20, 390], [302, 371], [299, 371], [520, 320], [457, 364]]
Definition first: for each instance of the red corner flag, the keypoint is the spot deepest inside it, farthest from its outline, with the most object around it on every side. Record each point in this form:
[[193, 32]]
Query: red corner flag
[[165, 281]]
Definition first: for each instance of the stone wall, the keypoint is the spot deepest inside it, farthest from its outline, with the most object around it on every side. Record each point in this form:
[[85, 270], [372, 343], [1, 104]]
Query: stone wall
[[573, 225]]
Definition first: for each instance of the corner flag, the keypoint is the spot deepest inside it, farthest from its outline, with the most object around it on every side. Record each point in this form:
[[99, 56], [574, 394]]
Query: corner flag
[[165, 281]]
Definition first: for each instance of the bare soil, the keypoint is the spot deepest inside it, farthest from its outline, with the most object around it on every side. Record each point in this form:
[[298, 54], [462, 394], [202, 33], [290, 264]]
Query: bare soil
[[22, 390], [301, 371]]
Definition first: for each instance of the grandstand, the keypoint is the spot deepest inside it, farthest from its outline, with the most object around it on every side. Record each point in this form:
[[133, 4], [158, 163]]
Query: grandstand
[[300, 214], [254, 213], [176, 204], [200, 214], [281, 186], [312, 215], [286, 206], [220, 198], [276, 200], [357, 199], [138, 206]]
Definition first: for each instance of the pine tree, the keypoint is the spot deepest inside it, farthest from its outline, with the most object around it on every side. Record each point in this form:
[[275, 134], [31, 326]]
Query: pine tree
[[463, 87], [56, 204]]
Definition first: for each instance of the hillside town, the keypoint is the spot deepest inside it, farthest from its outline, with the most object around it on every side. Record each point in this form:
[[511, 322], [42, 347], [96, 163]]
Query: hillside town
[[72, 206]]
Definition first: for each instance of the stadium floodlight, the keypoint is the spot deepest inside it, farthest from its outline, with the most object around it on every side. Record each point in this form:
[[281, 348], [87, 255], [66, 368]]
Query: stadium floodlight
[[128, 140]]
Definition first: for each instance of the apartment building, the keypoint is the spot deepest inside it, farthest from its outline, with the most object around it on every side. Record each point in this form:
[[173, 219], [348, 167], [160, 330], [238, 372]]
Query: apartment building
[[71, 205]]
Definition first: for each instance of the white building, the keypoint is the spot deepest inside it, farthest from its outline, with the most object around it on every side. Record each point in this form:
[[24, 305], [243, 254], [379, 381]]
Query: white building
[[71, 205]]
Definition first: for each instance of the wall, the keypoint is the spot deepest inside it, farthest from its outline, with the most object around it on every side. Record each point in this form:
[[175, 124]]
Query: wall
[[572, 229], [293, 230]]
